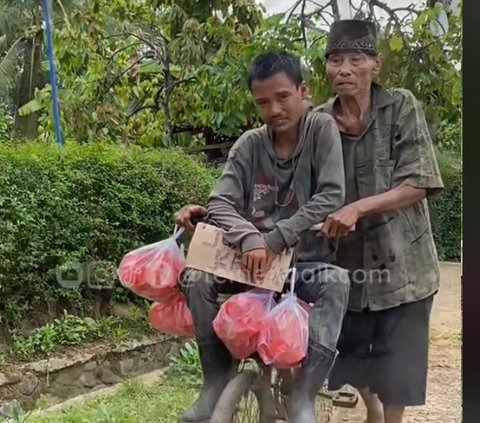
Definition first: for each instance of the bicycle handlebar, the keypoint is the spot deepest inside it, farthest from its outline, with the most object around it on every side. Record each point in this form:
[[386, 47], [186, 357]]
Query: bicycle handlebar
[[197, 219]]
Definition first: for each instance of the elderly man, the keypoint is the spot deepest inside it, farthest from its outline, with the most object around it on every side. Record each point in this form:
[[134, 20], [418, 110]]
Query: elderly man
[[279, 181], [390, 170]]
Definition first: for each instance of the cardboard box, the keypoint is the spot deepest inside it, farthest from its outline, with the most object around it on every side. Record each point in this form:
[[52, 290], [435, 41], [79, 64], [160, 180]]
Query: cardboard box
[[209, 252]]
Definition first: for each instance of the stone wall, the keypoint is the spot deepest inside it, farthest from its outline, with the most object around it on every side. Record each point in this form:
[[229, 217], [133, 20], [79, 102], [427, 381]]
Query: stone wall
[[57, 379]]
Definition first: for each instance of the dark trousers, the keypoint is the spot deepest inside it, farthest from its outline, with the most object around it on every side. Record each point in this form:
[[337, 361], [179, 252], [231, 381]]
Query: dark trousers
[[324, 286], [386, 351]]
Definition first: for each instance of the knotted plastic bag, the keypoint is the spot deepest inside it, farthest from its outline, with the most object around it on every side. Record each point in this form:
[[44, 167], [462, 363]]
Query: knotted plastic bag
[[172, 316], [283, 338], [239, 321], [152, 271]]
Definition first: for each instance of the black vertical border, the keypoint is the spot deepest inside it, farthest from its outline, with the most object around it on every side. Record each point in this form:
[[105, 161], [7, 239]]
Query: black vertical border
[[471, 212]]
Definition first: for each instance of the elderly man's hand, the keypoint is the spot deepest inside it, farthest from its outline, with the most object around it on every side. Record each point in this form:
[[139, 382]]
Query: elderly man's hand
[[183, 217], [340, 223]]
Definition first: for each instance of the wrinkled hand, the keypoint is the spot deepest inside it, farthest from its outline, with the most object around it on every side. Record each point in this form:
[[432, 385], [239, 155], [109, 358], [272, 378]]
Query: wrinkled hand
[[255, 262], [258, 262], [340, 223], [183, 217], [270, 257]]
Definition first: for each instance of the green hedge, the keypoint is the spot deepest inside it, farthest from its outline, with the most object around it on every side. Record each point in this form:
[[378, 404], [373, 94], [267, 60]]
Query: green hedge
[[82, 204], [94, 203], [446, 207]]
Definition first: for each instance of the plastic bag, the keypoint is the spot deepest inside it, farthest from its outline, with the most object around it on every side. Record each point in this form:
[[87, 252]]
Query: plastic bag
[[172, 316], [283, 338], [152, 271], [239, 320]]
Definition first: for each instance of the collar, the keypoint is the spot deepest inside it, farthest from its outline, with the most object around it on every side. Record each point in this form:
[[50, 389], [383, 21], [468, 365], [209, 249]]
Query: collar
[[381, 97]]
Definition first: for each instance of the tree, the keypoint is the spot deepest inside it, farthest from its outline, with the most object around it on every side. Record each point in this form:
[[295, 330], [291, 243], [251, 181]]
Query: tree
[[117, 78], [21, 57], [163, 73]]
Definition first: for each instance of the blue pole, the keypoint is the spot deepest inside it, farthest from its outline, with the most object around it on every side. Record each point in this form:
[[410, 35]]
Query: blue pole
[[53, 75]]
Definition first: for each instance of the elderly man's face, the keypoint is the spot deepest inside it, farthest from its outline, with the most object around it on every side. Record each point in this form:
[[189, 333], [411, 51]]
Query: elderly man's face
[[352, 73]]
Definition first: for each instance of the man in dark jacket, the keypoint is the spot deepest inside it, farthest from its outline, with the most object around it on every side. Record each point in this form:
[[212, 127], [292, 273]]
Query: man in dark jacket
[[279, 181]]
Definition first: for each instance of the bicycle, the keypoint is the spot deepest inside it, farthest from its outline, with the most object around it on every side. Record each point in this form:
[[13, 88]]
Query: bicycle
[[258, 393]]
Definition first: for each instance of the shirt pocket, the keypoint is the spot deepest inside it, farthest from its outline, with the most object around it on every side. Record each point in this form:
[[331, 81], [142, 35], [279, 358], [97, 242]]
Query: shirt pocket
[[383, 175], [365, 179]]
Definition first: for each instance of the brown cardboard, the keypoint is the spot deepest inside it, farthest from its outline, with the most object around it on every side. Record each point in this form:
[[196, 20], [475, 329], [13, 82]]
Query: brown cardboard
[[209, 252]]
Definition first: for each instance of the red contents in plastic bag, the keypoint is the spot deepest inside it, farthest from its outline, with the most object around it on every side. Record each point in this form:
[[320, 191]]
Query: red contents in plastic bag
[[283, 338], [152, 271], [173, 316], [239, 321]]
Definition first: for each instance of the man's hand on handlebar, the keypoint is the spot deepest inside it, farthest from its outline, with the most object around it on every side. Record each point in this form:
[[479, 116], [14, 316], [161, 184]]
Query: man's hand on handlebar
[[257, 262], [183, 217], [340, 223]]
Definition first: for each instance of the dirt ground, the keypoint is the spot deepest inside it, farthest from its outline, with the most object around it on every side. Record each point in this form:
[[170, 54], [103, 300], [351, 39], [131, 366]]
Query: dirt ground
[[444, 393]]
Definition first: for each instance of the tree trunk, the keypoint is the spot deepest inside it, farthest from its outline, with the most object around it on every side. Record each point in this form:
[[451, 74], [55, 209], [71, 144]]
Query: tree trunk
[[32, 78]]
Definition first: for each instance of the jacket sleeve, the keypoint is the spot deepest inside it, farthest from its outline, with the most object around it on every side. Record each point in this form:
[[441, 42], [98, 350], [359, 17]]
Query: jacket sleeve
[[228, 199]]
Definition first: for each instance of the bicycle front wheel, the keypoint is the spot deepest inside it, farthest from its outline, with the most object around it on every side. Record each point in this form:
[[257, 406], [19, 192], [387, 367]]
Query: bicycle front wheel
[[240, 403]]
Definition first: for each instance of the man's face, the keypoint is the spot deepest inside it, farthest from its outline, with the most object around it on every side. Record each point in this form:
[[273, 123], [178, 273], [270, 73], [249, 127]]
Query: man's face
[[352, 73], [279, 101]]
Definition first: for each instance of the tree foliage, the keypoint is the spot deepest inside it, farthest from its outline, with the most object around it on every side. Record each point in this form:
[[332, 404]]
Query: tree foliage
[[165, 73], [22, 70]]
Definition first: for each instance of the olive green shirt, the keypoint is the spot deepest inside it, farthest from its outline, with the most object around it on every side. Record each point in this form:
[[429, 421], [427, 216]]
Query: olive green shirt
[[351, 249], [396, 249]]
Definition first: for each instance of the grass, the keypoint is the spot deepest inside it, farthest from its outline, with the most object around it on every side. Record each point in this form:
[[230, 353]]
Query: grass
[[136, 402], [133, 403], [70, 330]]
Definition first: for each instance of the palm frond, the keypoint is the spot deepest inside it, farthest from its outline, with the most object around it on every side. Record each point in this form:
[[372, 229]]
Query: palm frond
[[13, 21], [3, 43], [23, 4], [16, 15], [9, 66], [31, 107]]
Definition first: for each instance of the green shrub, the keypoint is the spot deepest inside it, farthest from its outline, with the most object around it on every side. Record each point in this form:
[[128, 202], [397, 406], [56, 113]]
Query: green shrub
[[6, 123], [186, 366], [446, 207], [66, 331], [86, 205], [449, 136], [93, 203]]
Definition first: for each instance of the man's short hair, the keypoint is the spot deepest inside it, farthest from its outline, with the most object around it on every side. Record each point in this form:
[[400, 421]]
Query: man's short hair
[[270, 63]]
